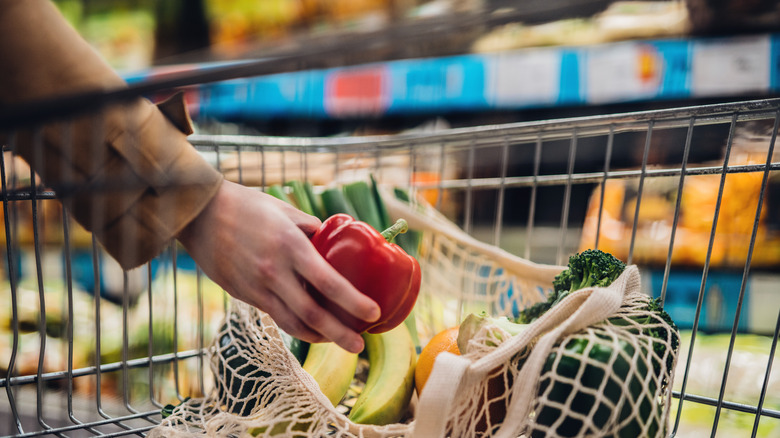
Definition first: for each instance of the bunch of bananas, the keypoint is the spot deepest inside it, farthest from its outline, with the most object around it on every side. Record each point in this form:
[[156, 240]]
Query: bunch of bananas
[[390, 383]]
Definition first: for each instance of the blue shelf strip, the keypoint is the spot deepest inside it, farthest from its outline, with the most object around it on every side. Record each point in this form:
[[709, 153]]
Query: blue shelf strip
[[632, 71]]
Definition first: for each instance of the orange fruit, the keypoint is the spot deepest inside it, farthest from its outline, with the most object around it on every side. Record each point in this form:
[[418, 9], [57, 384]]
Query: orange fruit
[[446, 340]]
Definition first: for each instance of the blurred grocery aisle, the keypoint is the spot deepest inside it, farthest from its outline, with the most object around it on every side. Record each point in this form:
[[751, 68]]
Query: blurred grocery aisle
[[431, 65]]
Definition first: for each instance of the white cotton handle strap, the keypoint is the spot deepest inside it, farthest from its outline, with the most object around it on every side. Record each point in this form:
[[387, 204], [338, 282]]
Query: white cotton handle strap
[[440, 391], [584, 307]]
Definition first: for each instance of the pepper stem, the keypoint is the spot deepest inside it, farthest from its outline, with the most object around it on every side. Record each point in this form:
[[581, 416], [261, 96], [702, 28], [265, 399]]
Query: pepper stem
[[399, 227]]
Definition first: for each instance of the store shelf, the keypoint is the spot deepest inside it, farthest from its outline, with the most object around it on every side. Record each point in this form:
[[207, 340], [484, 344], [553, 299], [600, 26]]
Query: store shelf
[[631, 71]]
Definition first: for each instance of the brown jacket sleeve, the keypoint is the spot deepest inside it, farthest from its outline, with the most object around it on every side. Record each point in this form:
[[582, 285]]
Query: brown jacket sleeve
[[126, 174]]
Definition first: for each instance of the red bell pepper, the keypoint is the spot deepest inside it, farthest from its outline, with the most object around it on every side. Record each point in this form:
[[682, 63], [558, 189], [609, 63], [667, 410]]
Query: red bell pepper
[[375, 266]]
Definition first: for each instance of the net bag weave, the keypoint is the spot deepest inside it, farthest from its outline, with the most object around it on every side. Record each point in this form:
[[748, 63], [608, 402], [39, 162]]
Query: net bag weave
[[593, 365], [570, 373], [260, 390]]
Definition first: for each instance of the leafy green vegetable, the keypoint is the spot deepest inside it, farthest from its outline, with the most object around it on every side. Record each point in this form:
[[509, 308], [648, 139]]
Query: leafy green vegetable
[[410, 240], [475, 322], [591, 267], [316, 201], [381, 208]]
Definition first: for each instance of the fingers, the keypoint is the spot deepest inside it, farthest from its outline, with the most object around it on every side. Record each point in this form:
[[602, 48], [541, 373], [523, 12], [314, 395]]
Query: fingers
[[330, 283], [319, 273], [296, 312], [287, 320], [262, 260], [291, 305], [317, 320], [305, 222]]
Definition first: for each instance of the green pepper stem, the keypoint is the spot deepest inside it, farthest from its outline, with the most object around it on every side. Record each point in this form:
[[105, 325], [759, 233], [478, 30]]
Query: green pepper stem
[[399, 227]]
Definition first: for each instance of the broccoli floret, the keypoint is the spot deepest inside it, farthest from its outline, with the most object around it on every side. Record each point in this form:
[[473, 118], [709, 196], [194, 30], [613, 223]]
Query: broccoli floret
[[562, 282], [591, 267]]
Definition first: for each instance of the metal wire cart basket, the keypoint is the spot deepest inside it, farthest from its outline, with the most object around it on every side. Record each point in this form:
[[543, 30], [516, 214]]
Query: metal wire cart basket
[[690, 195]]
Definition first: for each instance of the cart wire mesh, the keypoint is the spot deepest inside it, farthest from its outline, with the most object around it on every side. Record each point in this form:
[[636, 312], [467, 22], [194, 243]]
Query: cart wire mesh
[[689, 194]]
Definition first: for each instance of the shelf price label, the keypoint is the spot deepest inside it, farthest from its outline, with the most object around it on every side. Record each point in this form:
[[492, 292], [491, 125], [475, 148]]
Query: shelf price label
[[622, 72], [523, 78], [730, 66]]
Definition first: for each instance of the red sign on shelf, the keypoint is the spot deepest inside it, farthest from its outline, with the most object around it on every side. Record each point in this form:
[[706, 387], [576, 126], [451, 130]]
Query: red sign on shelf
[[357, 92]]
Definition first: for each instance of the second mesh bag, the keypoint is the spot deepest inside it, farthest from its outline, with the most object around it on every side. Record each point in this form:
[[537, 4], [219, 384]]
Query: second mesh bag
[[599, 363]]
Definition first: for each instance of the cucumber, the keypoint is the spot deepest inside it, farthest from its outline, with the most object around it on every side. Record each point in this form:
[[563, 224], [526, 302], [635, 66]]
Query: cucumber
[[334, 201], [237, 369], [297, 347], [231, 360]]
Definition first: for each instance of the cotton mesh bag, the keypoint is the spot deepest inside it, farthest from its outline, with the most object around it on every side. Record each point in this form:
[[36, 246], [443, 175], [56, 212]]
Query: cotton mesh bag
[[261, 390], [592, 365], [597, 364]]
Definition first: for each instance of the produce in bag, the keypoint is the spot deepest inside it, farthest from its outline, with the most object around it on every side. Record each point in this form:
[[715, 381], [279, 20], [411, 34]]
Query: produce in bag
[[609, 378], [263, 389]]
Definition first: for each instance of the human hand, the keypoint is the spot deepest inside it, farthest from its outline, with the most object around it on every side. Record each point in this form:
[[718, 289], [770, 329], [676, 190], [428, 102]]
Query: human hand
[[256, 247]]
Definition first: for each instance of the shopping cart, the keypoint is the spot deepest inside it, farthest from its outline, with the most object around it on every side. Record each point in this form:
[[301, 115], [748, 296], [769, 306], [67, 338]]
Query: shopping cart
[[687, 194]]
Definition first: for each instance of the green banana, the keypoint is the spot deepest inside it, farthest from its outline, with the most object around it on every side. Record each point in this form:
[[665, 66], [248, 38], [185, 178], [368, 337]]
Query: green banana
[[332, 367], [385, 398]]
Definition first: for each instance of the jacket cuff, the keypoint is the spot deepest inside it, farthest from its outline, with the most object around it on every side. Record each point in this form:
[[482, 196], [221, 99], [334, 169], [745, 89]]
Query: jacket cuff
[[178, 182], [175, 109]]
